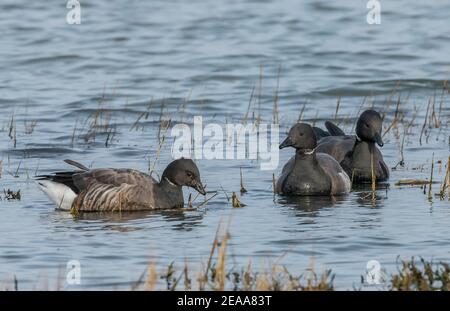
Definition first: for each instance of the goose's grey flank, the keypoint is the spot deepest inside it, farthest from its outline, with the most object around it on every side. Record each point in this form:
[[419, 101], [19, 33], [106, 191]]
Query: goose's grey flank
[[356, 153], [309, 172], [108, 189]]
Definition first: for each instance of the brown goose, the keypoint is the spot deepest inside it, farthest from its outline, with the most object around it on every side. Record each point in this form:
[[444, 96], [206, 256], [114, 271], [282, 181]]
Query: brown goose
[[110, 189], [310, 172]]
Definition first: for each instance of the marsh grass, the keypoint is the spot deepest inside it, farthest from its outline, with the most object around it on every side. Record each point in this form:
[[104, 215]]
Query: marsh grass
[[243, 190], [235, 202], [11, 195], [98, 124], [15, 174], [422, 275], [215, 275], [30, 125], [276, 99], [12, 133], [274, 188], [430, 195], [374, 179], [162, 139], [446, 182], [143, 115]]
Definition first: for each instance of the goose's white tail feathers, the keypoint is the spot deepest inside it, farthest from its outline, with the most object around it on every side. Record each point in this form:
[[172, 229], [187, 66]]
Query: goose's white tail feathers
[[60, 194]]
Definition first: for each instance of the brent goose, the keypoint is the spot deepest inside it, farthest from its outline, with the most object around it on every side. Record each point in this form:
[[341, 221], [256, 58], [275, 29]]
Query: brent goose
[[310, 172], [356, 153], [110, 189]]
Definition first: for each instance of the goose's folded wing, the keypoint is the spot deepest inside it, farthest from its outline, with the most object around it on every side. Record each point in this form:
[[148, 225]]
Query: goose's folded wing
[[336, 146], [110, 177], [319, 133], [100, 197], [333, 129]]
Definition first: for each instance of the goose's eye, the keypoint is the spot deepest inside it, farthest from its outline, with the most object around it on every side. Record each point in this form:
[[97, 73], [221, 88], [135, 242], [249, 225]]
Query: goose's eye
[[189, 174], [301, 134], [366, 125]]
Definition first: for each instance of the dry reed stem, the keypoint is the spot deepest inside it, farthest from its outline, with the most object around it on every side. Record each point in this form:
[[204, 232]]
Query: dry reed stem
[[276, 99], [274, 184], [373, 177], [446, 182], [412, 182], [235, 202], [152, 278], [338, 103], [424, 122], [300, 116], [430, 196], [243, 190]]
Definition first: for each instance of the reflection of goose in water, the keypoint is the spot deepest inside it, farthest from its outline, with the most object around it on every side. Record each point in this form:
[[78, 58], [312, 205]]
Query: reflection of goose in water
[[131, 221], [315, 211], [309, 204]]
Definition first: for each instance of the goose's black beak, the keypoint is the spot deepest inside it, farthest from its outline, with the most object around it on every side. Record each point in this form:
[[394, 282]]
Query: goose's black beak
[[379, 140], [197, 185], [286, 143]]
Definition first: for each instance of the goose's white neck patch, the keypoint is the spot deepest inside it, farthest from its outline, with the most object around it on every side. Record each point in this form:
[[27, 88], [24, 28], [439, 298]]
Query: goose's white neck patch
[[170, 183], [310, 151]]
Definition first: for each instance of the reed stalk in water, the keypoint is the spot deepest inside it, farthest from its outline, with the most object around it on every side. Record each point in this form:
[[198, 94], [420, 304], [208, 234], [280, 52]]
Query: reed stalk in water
[[235, 201], [338, 104], [273, 184], [424, 122], [446, 182], [300, 116], [243, 190], [430, 195], [12, 131], [152, 166], [373, 178], [276, 99]]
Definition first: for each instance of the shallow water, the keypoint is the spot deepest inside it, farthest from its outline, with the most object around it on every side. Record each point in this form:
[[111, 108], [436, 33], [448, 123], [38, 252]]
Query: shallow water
[[204, 58]]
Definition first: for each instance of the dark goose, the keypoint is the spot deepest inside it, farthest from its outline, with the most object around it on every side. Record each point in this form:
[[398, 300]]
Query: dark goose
[[355, 152], [310, 172]]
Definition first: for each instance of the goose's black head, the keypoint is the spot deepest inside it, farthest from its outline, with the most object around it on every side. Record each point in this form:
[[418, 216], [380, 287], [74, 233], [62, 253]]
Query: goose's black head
[[369, 126], [301, 136], [184, 172]]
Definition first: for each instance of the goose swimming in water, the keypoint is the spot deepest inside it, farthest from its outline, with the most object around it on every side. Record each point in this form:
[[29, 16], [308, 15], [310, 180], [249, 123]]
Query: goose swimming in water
[[356, 153], [310, 172], [108, 189]]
